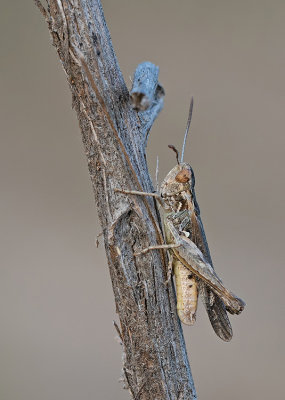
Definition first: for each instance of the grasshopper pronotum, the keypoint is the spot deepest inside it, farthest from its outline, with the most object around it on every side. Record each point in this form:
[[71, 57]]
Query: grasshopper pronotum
[[188, 250]]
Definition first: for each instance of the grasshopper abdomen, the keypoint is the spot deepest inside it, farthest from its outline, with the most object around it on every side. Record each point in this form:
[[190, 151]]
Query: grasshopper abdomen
[[186, 292]]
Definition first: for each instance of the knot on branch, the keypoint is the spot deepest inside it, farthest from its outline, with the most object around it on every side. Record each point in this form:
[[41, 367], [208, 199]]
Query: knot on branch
[[147, 95]]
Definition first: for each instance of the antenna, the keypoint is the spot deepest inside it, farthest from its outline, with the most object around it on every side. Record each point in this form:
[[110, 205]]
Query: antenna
[[187, 127], [175, 151]]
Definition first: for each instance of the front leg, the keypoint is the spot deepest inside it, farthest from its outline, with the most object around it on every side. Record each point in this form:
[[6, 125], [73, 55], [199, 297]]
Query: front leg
[[138, 193], [158, 247]]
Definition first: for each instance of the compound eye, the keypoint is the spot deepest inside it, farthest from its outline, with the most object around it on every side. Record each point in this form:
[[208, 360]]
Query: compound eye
[[183, 176]]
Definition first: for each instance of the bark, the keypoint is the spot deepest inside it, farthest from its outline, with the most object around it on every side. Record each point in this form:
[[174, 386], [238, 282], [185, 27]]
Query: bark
[[114, 128]]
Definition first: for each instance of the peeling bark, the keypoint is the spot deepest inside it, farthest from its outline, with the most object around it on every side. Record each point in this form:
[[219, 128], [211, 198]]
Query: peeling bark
[[114, 128]]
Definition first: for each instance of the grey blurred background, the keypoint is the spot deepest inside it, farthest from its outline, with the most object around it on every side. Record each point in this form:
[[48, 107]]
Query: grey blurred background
[[57, 340]]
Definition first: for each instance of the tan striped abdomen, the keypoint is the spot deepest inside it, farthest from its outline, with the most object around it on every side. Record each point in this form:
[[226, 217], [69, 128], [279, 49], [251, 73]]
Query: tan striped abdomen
[[187, 293]]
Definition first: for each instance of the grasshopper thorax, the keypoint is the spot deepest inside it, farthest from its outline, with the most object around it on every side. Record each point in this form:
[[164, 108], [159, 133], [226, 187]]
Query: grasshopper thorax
[[177, 188]]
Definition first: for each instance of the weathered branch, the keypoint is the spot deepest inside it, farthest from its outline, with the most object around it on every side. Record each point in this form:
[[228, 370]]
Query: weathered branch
[[114, 136]]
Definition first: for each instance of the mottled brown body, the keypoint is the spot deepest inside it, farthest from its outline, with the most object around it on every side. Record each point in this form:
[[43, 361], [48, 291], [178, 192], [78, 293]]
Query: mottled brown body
[[183, 226], [190, 255]]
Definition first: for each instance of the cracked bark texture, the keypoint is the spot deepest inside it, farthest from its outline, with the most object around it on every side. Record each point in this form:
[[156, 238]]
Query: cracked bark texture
[[114, 128]]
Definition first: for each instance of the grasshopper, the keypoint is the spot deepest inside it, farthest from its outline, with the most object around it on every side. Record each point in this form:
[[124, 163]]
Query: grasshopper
[[188, 250]]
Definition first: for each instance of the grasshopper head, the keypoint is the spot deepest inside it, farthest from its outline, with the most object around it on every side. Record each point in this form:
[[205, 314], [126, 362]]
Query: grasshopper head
[[178, 186]]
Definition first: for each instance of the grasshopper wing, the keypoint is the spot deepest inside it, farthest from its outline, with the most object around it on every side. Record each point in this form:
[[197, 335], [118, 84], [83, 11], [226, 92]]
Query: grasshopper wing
[[215, 307], [217, 313], [192, 258]]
